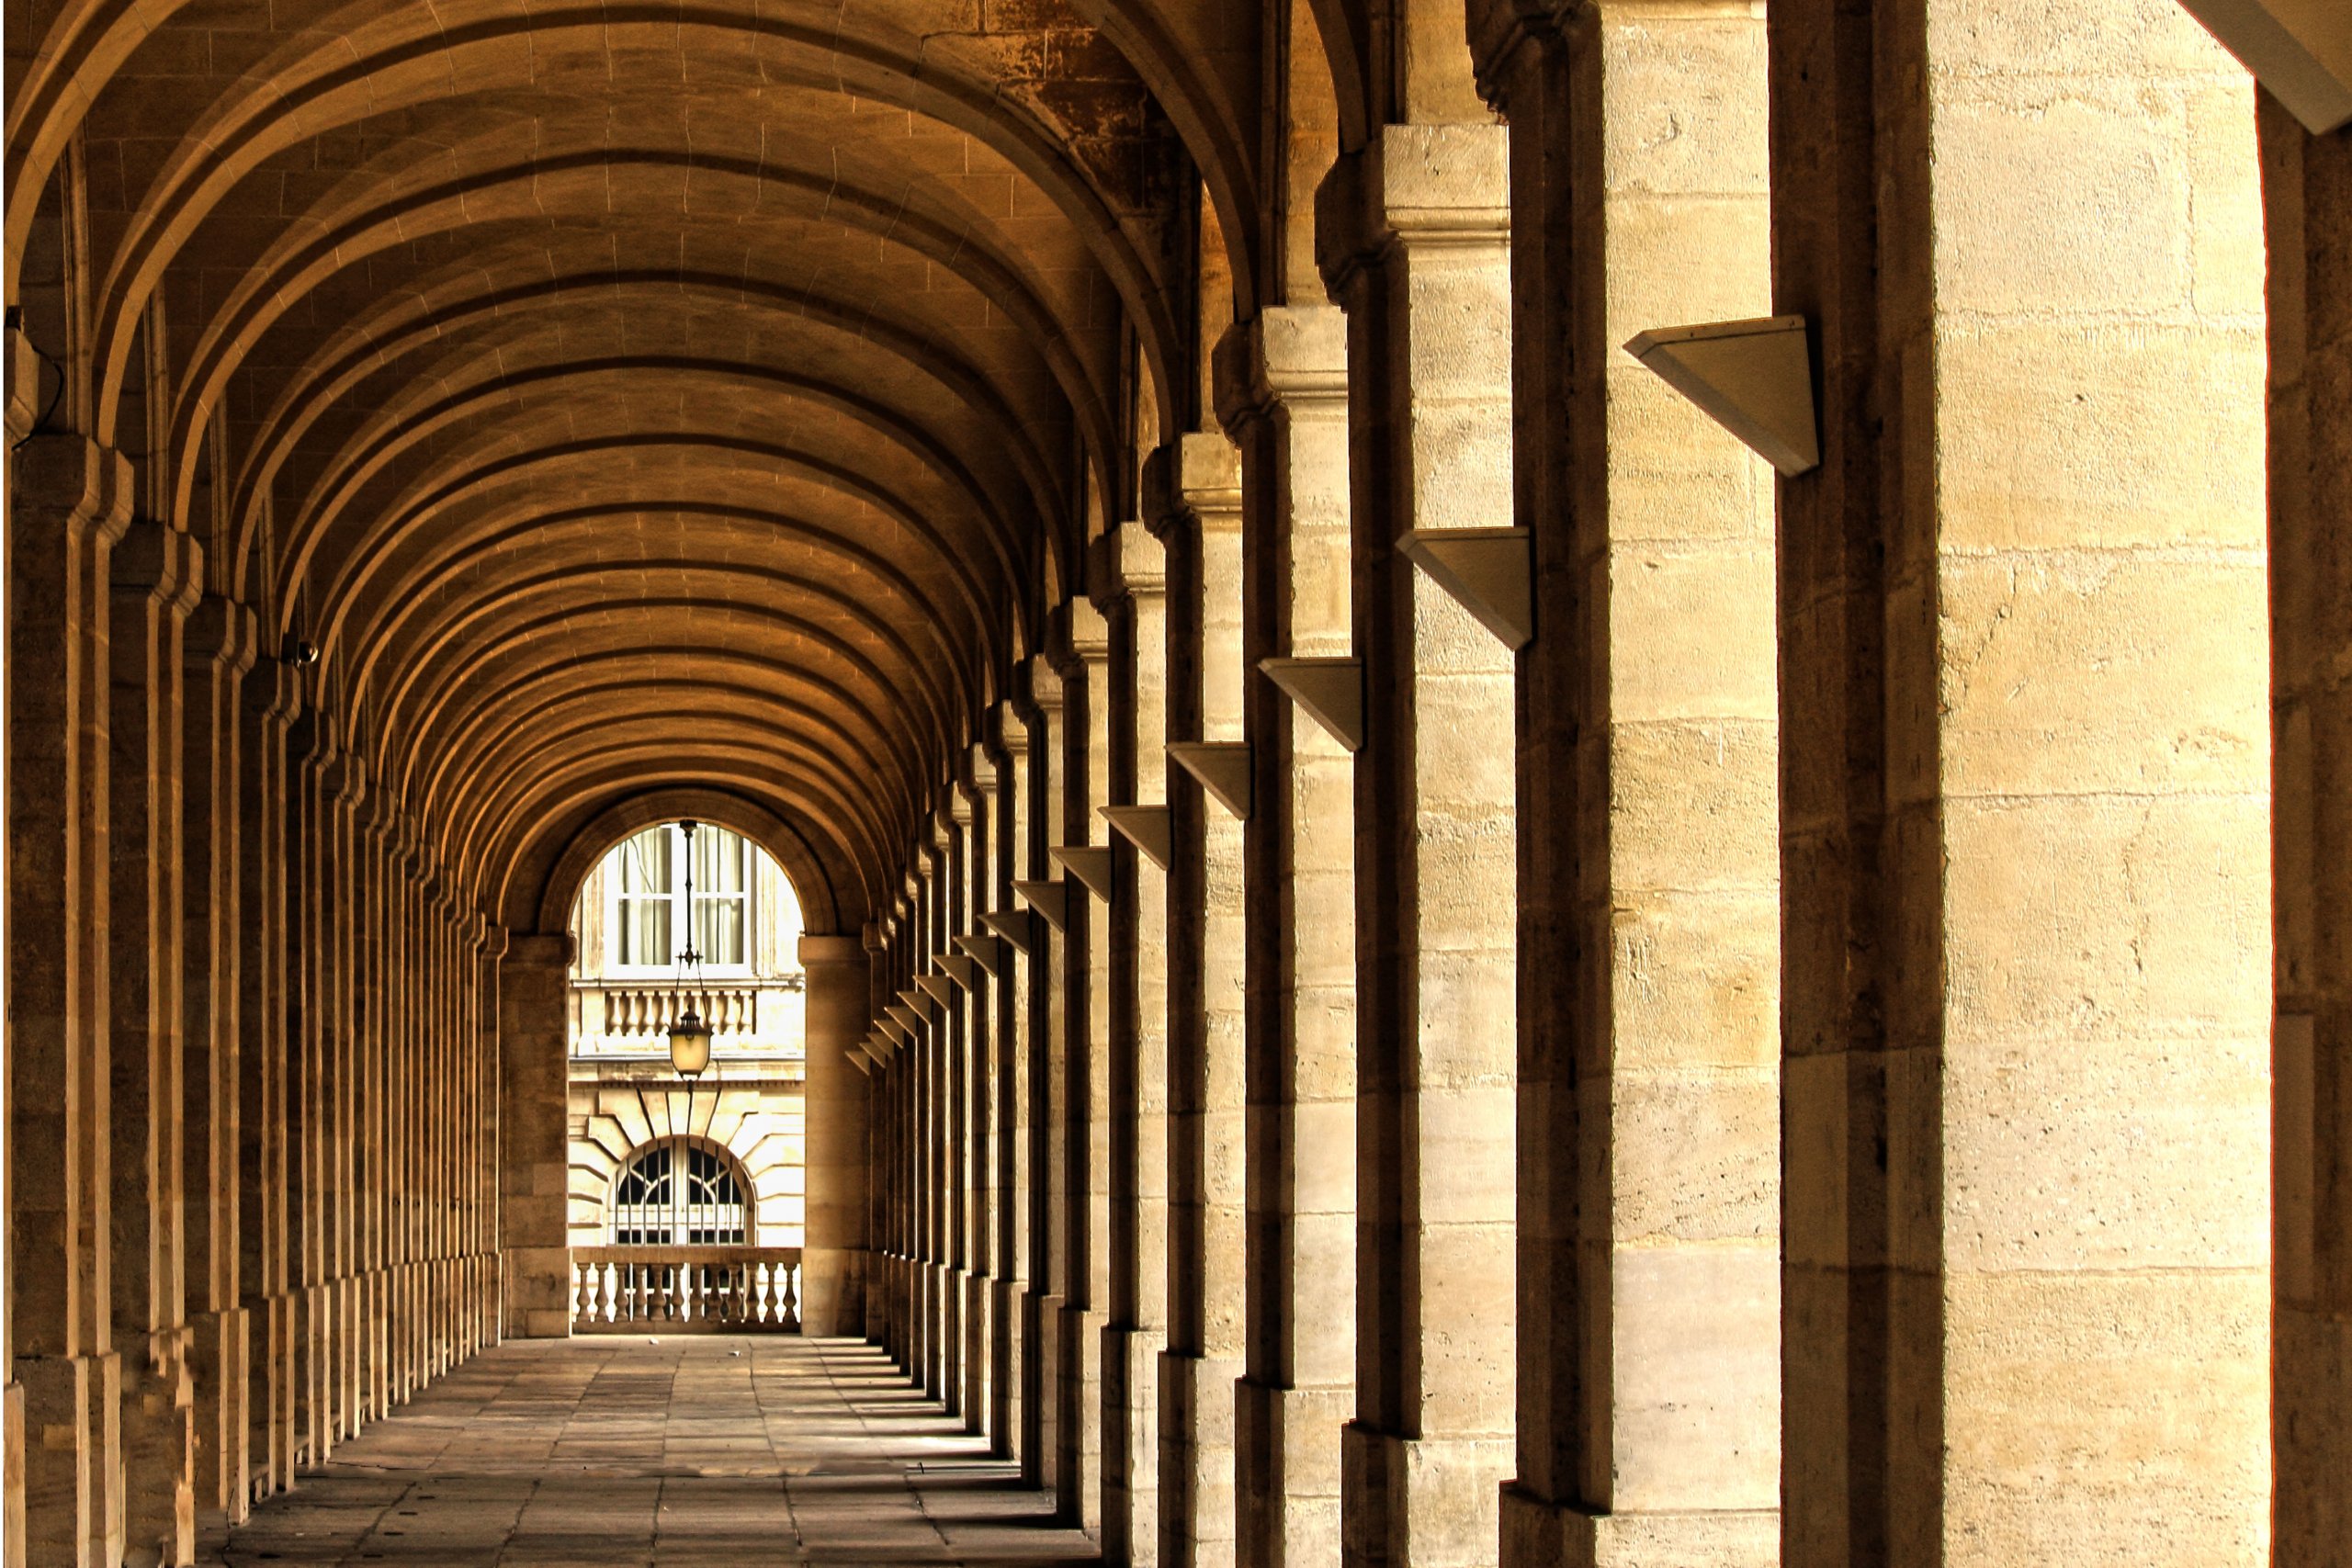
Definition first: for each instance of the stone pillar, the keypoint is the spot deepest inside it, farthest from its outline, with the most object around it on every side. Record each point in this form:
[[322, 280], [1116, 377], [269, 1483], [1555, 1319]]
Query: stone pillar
[[535, 1255], [1047, 967], [1010, 994], [1133, 589], [312, 750], [1207, 1160], [272, 697], [833, 1261], [375, 1071], [1413, 235], [1086, 1095], [2307, 204], [2025, 820], [974, 1153], [489, 1276], [67, 505], [1648, 1083], [156, 575], [344, 793], [1282, 393], [218, 645]]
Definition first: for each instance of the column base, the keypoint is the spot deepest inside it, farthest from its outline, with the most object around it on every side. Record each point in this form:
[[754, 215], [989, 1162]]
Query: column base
[[1196, 1459], [158, 1421], [1131, 1444], [1007, 1365], [71, 1458], [12, 1472], [1431, 1502], [218, 1361], [1041, 1329], [1078, 1481], [979, 1299], [1287, 1471], [1539, 1534]]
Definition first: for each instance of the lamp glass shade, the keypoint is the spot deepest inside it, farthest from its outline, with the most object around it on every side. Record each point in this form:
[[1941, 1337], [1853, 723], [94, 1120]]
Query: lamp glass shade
[[690, 1045]]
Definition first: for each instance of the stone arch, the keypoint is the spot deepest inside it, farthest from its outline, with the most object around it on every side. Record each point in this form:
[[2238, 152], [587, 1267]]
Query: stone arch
[[820, 909], [627, 1119]]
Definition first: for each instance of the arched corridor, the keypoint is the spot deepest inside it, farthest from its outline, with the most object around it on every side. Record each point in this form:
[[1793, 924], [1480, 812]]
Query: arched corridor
[[1563, 781]]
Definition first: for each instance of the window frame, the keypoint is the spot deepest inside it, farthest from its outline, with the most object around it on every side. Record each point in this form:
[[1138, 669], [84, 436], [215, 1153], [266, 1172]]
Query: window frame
[[676, 1185], [682, 915]]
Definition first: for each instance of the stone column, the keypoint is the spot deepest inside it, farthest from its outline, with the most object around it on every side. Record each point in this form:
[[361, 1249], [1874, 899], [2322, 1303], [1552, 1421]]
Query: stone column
[[970, 806], [1207, 1167], [67, 505], [535, 1254], [376, 1044], [490, 1283], [1282, 393], [217, 646], [345, 793], [833, 1261], [312, 749], [1413, 235], [156, 574], [1648, 1083], [2024, 822], [1046, 967], [272, 698], [1086, 1098], [2307, 206], [1134, 589], [1009, 992]]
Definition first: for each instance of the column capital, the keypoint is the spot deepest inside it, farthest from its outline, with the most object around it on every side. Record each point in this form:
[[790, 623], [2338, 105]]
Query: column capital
[[1045, 687], [70, 479], [1195, 481], [1412, 187], [222, 631], [817, 949], [159, 563], [1124, 563], [539, 950], [1286, 358]]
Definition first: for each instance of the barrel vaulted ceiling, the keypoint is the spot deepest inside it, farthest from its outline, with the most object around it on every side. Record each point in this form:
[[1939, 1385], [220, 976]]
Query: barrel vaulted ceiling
[[636, 396]]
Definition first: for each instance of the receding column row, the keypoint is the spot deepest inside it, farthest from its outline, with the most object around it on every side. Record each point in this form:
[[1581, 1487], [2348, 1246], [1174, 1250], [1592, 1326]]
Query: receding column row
[[248, 1056]]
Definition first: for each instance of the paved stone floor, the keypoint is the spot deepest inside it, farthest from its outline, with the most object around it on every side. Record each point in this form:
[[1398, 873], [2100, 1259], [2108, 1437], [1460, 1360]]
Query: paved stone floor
[[607, 1451]]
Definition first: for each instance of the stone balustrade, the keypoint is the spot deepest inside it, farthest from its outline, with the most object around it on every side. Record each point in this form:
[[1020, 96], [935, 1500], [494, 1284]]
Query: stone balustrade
[[685, 1289]]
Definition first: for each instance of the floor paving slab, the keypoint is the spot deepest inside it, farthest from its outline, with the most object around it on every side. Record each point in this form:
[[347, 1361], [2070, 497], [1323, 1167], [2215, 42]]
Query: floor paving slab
[[620, 1453]]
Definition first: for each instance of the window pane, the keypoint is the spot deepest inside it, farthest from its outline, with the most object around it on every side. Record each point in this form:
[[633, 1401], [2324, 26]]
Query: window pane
[[719, 861], [719, 928], [644, 930], [645, 862]]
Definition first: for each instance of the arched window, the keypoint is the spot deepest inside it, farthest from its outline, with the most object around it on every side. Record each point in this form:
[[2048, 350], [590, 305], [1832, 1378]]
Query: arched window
[[677, 1192]]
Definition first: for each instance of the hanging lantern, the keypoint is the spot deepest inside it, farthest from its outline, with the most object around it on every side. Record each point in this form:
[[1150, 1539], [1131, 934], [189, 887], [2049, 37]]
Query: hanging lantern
[[690, 1045], [689, 1035]]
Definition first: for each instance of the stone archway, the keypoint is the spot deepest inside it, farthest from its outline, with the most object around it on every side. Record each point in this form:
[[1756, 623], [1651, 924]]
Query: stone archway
[[543, 1182]]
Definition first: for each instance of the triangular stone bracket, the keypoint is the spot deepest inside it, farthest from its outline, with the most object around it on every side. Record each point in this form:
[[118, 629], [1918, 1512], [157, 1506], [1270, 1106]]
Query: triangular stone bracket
[[1221, 768], [1090, 863], [1330, 690], [1017, 926], [1490, 571], [1151, 828], [900, 1017], [990, 950], [858, 1057], [917, 1003], [960, 968], [1050, 899], [939, 988], [2300, 50], [1755, 378]]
